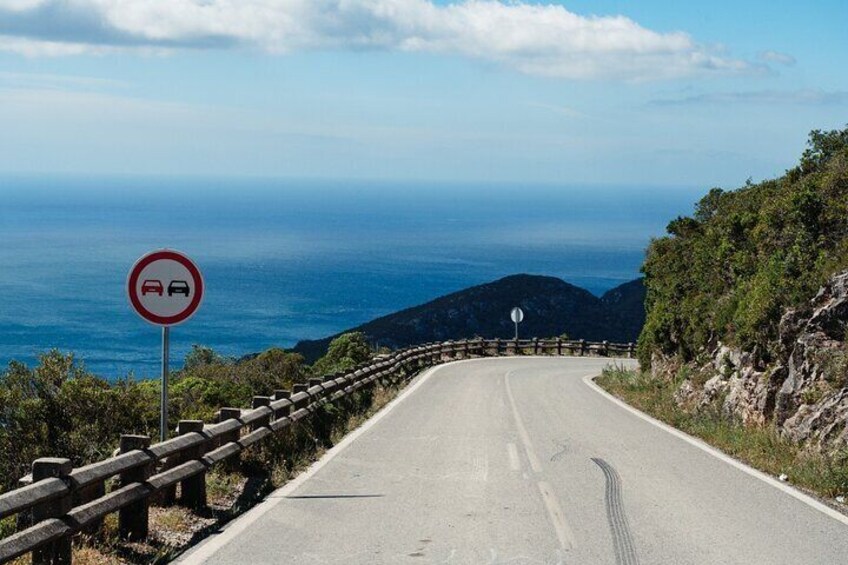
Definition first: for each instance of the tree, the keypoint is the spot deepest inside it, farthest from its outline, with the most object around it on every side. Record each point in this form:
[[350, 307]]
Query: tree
[[345, 352]]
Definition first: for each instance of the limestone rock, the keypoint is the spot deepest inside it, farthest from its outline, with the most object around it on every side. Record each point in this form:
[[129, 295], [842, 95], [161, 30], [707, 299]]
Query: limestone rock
[[803, 389]]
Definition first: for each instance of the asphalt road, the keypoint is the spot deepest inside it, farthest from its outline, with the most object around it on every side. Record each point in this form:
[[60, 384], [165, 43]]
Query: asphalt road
[[521, 461]]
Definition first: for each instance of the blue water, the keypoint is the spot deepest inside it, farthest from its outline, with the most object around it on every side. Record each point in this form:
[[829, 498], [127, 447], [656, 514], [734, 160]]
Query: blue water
[[290, 260]]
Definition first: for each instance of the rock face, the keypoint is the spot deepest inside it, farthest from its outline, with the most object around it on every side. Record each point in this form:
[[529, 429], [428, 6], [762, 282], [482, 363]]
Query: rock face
[[803, 389]]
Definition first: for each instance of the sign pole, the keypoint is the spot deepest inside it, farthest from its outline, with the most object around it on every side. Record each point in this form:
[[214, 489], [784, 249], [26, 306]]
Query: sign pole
[[516, 315], [165, 288], [163, 416]]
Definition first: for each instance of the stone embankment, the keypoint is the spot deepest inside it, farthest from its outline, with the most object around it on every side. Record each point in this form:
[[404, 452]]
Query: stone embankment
[[803, 386]]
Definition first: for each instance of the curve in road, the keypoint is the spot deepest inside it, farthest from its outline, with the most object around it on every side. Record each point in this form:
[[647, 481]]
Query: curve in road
[[521, 460]]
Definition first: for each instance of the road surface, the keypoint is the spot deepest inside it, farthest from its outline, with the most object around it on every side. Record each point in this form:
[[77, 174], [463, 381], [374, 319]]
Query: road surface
[[520, 461]]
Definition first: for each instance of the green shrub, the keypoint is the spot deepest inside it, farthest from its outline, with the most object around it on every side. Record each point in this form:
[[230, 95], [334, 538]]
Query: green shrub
[[728, 273], [58, 409], [345, 352]]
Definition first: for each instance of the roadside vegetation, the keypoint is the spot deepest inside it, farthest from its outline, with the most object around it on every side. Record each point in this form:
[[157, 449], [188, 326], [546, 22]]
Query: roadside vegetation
[[762, 447], [728, 272], [58, 409]]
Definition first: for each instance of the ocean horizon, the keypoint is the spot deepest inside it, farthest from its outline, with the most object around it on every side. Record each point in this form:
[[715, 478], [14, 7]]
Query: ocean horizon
[[285, 260]]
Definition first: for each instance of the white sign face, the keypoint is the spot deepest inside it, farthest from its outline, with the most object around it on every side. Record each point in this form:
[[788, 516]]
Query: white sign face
[[517, 315], [165, 287]]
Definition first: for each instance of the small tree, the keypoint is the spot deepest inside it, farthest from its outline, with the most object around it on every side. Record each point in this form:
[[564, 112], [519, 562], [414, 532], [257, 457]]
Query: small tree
[[346, 351]]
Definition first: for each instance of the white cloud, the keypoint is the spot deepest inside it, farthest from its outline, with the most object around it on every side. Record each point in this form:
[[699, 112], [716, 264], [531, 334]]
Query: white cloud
[[804, 97], [538, 39], [57, 82], [778, 57]]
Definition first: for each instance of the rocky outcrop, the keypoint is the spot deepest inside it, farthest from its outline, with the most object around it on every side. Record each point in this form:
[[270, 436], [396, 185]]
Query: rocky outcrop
[[803, 389]]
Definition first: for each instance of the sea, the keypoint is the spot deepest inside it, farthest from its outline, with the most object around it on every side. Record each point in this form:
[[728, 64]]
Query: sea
[[285, 260]]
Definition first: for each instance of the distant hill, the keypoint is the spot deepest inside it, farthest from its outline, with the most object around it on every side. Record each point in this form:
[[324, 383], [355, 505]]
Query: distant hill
[[551, 307], [627, 302]]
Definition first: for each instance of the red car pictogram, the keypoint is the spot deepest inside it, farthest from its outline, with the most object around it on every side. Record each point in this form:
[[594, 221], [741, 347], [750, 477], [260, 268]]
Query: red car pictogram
[[152, 286]]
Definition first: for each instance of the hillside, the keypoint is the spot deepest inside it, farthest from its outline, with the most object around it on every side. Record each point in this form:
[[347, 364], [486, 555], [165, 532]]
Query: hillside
[[551, 306], [747, 301], [627, 303], [728, 273]]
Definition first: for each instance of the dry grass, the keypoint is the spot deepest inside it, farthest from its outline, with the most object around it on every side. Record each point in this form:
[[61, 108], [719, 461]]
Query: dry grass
[[762, 447], [233, 489]]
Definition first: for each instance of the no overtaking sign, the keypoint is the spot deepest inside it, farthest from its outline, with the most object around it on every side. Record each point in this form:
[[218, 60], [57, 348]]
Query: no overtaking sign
[[165, 287]]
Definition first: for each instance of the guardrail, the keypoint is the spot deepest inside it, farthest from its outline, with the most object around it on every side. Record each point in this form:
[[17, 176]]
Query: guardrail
[[58, 501]]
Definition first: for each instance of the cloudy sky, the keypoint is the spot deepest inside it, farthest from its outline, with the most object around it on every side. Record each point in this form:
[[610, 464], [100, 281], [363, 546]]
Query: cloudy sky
[[610, 92]]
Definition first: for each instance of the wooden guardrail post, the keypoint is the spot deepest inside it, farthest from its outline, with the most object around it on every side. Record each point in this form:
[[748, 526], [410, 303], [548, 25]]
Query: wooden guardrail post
[[605, 345], [582, 347], [559, 346], [281, 394], [133, 519], [24, 519], [284, 412], [259, 402], [300, 387], [193, 489], [234, 436], [497, 347], [58, 551], [85, 495], [631, 350], [535, 346], [225, 414]]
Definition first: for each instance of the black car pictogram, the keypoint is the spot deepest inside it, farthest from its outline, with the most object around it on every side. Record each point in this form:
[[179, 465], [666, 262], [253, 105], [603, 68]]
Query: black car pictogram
[[178, 287]]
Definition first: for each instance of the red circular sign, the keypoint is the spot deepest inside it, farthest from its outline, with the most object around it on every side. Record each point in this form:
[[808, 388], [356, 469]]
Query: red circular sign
[[165, 287]]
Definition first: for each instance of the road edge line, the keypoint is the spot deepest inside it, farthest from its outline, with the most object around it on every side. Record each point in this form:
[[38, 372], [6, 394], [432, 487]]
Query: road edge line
[[589, 380], [207, 548]]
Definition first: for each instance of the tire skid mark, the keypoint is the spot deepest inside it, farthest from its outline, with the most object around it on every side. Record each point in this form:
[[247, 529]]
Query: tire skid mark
[[625, 550]]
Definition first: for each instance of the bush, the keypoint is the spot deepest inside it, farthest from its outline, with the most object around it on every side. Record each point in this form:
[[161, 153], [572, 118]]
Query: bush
[[727, 273], [345, 352], [58, 409]]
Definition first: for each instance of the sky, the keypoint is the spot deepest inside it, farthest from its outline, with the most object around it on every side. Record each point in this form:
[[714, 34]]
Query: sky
[[564, 92]]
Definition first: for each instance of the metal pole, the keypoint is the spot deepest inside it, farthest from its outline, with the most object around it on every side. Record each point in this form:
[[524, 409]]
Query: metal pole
[[516, 331], [163, 416]]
